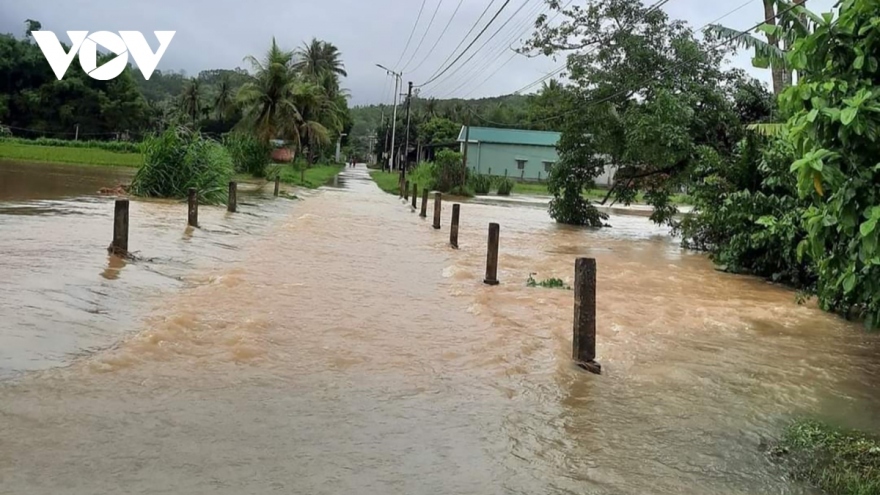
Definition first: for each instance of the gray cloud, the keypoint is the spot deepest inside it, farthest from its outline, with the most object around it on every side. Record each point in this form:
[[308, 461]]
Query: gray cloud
[[220, 33]]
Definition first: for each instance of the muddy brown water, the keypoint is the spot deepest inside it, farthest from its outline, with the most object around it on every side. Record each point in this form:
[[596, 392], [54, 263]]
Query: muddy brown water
[[337, 345]]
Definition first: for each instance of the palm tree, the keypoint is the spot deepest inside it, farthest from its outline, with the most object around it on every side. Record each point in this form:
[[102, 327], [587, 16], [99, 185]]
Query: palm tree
[[223, 102], [267, 99], [191, 99], [314, 107], [317, 58]]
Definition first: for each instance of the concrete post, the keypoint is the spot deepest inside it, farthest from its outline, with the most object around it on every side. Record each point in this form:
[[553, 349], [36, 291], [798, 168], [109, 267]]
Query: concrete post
[[424, 212], [193, 208], [492, 255], [584, 341], [437, 209], [119, 246], [453, 229], [277, 185], [232, 203], [415, 195]]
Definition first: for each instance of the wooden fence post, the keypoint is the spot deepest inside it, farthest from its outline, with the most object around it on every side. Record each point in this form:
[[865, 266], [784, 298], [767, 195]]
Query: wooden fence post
[[232, 203], [424, 212], [453, 230], [119, 246], [437, 208], [584, 341], [492, 255], [406, 191], [415, 195], [193, 207], [277, 185]]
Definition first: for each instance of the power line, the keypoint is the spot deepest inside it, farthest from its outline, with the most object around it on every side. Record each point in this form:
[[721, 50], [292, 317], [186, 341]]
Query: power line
[[442, 33], [471, 30], [424, 35], [463, 64], [479, 68], [408, 41], [506, 2]]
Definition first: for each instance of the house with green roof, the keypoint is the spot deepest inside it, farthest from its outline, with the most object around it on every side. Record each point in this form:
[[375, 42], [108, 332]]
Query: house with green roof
[[515, 153]]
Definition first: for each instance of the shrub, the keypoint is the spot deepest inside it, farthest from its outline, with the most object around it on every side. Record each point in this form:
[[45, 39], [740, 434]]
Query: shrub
[[481, 184], [505, 186], [249, 154], [449, 171], [179, 159], [423, 175]]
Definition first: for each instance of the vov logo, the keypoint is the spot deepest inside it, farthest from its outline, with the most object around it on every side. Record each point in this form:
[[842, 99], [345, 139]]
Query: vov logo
[[127, 42]]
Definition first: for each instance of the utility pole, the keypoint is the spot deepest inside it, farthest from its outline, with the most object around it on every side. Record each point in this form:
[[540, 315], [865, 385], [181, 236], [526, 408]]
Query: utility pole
[[76, 138], [406, 144], [467, 144], [397, 81]]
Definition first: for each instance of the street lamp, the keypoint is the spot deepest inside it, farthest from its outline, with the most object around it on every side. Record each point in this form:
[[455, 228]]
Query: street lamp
[[397, 82]]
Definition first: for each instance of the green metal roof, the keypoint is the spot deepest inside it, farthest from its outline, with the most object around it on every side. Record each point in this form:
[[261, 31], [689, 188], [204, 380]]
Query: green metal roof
[[510, 136]]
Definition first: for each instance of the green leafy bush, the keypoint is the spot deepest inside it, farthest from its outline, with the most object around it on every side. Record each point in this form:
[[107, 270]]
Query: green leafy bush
[[423, 175], [449, 171], [179, 159], [505, 186], [249, 154], [481, 184], [834, 116], [550, 283]]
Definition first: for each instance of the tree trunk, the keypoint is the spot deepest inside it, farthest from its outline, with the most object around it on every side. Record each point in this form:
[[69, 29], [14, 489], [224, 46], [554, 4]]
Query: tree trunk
[[777, 68]]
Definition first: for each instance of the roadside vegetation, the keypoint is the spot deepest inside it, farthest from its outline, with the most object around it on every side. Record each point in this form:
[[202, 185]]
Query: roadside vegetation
[[14, 150], [309, 177], [837, 461], [182, 132]]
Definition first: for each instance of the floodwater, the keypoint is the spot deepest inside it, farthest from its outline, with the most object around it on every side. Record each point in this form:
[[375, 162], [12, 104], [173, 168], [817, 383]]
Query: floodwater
[[337, 345]]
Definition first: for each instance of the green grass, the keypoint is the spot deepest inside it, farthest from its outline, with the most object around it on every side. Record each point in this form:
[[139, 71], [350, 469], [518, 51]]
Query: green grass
[[58, 154], [315, 177], [387, 181], [837, 461]]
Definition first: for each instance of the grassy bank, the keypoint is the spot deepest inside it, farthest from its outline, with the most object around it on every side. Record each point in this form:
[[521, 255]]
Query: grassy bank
[[315, 177], [838, 462], [387, 181], [58, 154]]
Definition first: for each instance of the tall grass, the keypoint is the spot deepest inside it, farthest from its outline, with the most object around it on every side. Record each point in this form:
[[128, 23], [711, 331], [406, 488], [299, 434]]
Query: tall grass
[[480, 183], [116, 146], [79, 156], [505, 186], [249, 154], [179, 159], [423, 175]]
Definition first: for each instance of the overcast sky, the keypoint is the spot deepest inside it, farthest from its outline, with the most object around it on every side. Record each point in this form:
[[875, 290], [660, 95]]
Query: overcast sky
[[220, 33]]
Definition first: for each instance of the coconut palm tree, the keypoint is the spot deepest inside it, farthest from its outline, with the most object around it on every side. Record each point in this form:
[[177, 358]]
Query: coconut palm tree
[[191, 99], [224, 100], [317, 58], [267, 99]]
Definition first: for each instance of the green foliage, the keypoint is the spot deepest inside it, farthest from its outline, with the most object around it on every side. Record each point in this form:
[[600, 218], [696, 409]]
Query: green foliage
[[747, 215], [504, 185], [179, 159], [646, 94], [450, 174], [115, 146], [388, 181], [480, 183], [423, 175], [833, 126], [550, 283], [438, 130], [312, 177], [249, 154], [836, 461], [65, 154]]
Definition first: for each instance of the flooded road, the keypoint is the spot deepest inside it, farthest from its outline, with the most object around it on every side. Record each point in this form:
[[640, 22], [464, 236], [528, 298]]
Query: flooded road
[[341, 347]]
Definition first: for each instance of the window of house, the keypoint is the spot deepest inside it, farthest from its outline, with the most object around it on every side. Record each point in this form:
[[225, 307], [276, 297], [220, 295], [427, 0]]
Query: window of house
[[521, 164], [548, 166]]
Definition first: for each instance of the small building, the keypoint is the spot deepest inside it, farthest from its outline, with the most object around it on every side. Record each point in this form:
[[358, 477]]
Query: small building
[[515, 153]]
